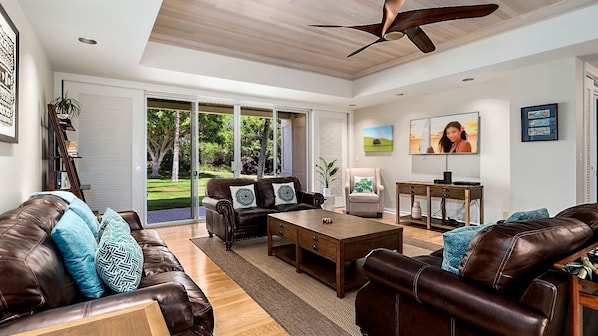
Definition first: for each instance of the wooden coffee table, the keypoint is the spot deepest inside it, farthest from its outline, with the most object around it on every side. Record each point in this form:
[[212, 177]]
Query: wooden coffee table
[[330, 252]]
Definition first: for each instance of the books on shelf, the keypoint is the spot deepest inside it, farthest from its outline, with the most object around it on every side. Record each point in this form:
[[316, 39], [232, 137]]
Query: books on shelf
[[62, 180], [71, 148]]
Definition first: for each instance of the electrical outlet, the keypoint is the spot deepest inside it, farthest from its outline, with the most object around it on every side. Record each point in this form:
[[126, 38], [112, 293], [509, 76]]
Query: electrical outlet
[[505, 214]]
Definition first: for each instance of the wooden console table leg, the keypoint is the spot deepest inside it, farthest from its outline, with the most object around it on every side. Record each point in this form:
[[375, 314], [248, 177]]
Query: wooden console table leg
[[482, 209], [467, 208]]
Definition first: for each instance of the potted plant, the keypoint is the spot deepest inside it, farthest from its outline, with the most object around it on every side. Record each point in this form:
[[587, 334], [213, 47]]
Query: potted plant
[[328, 172], [67, 107]]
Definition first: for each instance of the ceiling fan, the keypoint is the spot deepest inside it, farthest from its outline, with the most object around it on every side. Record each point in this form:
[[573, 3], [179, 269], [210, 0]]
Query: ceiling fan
[[395, 25]]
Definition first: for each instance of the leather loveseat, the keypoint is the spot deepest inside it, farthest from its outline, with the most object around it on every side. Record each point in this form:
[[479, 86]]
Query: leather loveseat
[[36, 290], [230, 224], [506, 283]]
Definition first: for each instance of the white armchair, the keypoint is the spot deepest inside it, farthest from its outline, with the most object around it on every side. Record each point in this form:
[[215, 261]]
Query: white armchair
[[368, 194]]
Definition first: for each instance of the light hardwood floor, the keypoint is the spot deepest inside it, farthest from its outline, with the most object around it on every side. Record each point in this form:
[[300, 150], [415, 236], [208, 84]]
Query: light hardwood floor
[[235, 312]]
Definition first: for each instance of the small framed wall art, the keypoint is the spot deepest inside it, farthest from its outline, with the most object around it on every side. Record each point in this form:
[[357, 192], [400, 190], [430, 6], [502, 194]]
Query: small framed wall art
[[9, 65], [377, 139], [539, 123]]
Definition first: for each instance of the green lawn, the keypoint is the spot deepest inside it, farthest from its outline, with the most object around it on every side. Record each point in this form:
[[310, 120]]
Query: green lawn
[[163, 194]]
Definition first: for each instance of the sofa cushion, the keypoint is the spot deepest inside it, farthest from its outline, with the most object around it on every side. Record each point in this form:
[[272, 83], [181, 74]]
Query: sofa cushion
[[359, 197], [284, 193], [78, 247], [506, 255], [363, 184], [587, 213], [83, 211], [456, 243], [531, 214], [243, 196], [119, 259], [266, 198], [159, 259]]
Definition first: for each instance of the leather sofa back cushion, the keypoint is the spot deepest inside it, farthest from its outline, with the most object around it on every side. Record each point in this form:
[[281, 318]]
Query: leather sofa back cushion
[[510, 254], [266, 198], [219, 188], [587, 213], [32, 274]]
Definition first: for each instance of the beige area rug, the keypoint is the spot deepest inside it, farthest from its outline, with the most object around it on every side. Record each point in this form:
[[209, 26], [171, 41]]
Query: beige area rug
[[299, 303]]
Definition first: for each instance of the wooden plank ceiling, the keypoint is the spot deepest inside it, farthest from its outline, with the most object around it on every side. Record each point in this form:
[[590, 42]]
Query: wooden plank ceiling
[[277, 32]]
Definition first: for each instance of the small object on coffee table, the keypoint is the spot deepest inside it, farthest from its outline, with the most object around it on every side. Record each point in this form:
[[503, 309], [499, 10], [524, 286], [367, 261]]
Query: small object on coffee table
[[326, 220]]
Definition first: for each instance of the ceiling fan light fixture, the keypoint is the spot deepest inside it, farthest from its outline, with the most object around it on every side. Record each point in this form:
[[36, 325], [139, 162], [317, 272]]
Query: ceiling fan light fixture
[[393, 36]]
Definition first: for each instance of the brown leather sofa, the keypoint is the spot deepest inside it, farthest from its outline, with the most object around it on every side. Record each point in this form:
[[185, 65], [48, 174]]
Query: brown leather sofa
[[506, 283], [231, 224], [37, 291]]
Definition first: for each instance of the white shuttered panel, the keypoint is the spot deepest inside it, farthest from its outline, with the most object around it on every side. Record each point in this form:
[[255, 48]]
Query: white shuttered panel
[[330, 138], [105, 138]]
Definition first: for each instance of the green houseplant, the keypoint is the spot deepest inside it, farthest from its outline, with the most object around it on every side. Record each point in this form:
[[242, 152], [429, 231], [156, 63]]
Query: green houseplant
[[67, 106], [327, 171]]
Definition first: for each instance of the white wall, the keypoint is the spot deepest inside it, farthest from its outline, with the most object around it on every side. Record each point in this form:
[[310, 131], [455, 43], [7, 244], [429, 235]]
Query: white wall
[[489, 99], [516, 175], [544, 173], [21, 169]]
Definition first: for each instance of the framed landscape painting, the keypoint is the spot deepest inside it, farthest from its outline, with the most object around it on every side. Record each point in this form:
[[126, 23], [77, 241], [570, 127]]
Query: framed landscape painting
[[9, 59], [377, 139]]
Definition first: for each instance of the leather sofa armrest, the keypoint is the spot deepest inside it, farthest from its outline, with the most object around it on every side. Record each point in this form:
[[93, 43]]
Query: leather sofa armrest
[[171, 297], [313, 198], [447, 292], [220, 205]]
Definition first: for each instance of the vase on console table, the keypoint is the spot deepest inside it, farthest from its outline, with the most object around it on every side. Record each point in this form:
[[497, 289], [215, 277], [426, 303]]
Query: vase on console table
[[416, 210]]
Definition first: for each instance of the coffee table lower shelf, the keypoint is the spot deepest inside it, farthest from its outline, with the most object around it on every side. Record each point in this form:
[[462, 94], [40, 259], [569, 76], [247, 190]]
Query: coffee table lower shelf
[[321, 268]]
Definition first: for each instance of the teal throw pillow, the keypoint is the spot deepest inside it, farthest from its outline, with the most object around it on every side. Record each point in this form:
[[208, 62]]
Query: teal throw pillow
[[83, 211], [78, 248], [363, 184], [284, 193], [456, 243], [119, 258], [532, 214], [110, 216]]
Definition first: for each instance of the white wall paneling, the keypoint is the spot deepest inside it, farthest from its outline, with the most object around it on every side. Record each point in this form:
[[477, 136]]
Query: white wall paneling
[[110, 137]]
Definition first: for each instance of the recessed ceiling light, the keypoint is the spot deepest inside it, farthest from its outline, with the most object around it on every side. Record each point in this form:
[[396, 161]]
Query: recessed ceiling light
[[87, 40], [468, 79]]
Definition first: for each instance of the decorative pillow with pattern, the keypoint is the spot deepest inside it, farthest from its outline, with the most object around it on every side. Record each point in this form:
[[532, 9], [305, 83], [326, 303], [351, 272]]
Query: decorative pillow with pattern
[[110, 216], [363, 184], [284, 193], [119, 259], [243, 196]]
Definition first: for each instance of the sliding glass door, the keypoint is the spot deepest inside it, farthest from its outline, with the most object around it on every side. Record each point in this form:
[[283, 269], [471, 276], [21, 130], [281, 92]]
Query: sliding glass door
[[189, 143]]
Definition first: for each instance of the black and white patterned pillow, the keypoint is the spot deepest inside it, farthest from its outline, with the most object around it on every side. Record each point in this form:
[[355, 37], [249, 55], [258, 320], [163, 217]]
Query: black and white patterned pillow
[[119, 259], [243, 196], [284, 193]]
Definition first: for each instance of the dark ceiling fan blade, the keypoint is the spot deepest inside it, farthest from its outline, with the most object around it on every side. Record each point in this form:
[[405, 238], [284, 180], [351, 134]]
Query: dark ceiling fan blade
[[365, 47], [420, 39], [420, 17], [374, 29], [389, 13]]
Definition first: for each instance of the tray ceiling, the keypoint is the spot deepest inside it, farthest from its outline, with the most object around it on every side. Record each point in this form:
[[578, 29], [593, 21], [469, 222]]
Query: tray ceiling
[[277, 32]]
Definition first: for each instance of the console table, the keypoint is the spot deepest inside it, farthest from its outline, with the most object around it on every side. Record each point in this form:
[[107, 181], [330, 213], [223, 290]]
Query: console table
[[465, 193]]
